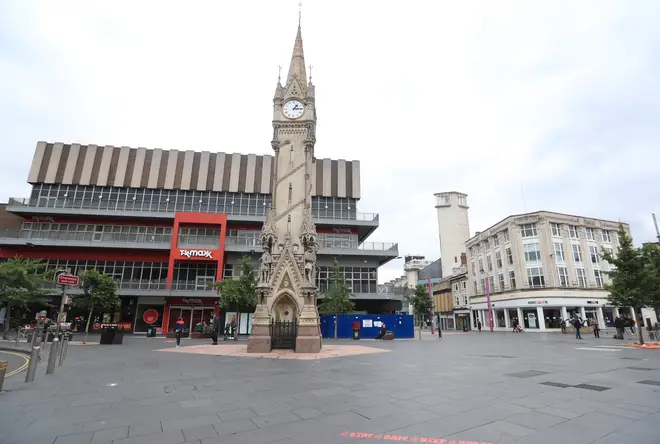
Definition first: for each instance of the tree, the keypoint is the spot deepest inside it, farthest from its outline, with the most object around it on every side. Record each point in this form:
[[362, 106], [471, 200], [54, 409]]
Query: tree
[[421, 301], [633, 279], [21, 282], [337, 299], [99, 292], [238, 293]]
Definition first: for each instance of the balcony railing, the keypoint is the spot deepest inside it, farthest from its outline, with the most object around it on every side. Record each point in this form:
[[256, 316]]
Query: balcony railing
[[87, 236], [378, 246], [367, 246], [168, 207]]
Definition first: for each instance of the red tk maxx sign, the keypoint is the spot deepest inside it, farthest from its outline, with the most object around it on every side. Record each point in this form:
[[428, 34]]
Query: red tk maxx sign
[[67, 279], [150, 316]]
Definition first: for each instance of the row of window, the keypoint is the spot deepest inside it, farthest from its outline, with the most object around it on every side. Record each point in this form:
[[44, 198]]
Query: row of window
[[142, 199], [536, 279]]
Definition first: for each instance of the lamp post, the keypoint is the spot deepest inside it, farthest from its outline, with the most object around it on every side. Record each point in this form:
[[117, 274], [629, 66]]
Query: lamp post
[[490, 306]]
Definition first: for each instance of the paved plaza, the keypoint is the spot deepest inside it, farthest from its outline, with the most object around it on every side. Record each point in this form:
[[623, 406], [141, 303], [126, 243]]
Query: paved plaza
[[466, 388]]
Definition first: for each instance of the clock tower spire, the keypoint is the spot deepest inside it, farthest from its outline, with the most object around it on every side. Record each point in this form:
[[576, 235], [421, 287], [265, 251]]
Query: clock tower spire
[[286, 293]]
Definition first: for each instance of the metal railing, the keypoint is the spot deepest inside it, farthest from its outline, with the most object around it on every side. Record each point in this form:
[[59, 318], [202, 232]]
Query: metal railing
[[87, 236], [366, 246], [167, 207]]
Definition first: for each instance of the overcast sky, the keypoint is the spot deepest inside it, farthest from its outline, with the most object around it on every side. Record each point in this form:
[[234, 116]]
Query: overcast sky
[[558, 98]]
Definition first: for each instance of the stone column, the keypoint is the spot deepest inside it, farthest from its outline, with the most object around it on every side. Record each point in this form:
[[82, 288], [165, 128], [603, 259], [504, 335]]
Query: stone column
[[583, 314], [601, 318], [564, 313], [259, 340], [507, 321], [540, 317], [521, 321], [308, 339]]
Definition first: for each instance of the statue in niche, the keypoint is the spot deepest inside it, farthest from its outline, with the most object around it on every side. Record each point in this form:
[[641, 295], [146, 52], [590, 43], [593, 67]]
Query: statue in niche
[[264, 270], [309, 258]]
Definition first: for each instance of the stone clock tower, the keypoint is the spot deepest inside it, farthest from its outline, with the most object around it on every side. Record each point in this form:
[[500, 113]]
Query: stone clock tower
[[286, 293]]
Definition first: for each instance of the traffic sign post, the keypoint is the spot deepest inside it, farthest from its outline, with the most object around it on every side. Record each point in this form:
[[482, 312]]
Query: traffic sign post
[[64, 279], [67, 279]]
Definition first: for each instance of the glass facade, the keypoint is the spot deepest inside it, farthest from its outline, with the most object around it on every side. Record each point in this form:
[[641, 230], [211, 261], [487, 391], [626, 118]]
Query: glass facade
[[144, 199], [359, 279], [95, 232], [196, 237], [127, 274]]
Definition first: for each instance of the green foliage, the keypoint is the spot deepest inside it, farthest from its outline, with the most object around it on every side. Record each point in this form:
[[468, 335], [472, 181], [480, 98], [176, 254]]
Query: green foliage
[[635, 279], [99, 291], [421, 301], [20, 283], [241, 292], [337, 298]]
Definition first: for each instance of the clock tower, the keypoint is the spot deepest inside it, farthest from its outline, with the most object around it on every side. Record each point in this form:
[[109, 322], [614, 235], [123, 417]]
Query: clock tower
[[286, 314]]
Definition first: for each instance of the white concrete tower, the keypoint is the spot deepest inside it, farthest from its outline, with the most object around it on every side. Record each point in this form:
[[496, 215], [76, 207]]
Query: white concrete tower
[[453, 228]]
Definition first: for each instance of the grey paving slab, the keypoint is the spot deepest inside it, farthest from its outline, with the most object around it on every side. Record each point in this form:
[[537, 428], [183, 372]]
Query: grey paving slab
[[155, 438], [144, 429], [107, 436], [307, 413], [198, 432], [499, 432], [535, 420], [78, 438], [229, 428]]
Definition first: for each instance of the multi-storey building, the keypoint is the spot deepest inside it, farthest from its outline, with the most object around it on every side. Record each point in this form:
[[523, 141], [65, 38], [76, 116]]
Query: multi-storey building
[[165, 223], [540, 268]]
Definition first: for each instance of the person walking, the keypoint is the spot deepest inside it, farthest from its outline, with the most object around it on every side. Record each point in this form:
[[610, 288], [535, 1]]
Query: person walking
[[479, 325], [217, 325], [563, 326], [596, 327], [577, 324], [618, 324], [178, 330]]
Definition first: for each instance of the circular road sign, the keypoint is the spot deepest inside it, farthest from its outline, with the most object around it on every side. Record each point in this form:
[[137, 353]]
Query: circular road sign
[[150, 316]]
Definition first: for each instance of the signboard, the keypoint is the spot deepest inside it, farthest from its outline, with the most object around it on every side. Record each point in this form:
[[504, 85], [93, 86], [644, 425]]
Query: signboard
[[537, 302], [367, 323], [68, 301], [196, 253], [67, 279], [193, 301], [101, 325], [150, 316]]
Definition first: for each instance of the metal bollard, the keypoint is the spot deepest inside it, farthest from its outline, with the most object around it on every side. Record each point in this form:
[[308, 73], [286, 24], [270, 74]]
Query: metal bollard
[[62, 349], [32, 366], [3, 370], [52, 356], [66, 346]]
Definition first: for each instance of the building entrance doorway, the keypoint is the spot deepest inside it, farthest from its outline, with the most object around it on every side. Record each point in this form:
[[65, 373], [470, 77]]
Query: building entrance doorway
[[193, 318]]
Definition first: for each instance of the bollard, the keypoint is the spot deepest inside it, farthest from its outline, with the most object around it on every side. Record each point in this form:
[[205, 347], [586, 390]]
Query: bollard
[[62, 350], [66, 346], [3, 370], [52, 356], [32, 365]]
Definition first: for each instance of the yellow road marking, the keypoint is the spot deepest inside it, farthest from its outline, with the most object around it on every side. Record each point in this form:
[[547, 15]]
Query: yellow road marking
[[21, 368]]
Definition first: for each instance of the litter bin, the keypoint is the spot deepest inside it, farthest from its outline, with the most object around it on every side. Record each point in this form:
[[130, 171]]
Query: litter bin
[[356, 330], [151, 332], [112, 334], [465, 327]]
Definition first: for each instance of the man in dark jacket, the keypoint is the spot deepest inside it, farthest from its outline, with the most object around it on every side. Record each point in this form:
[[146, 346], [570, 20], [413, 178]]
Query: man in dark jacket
[[217, 325], [618, 324]]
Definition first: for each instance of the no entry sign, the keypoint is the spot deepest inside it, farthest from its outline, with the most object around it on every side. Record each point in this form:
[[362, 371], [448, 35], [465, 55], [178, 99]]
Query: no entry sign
[[67, 279], [150, 316]]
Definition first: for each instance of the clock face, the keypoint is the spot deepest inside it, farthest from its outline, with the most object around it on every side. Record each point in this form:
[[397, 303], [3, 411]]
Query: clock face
[[293, 109]]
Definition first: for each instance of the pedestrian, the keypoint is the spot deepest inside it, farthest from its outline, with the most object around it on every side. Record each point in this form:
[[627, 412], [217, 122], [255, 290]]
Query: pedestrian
[[577, 323], [563, 326], [178, 330], [234, 333], [479, 325], [618, 324], [632, 325], [596, 327], [217, 324]]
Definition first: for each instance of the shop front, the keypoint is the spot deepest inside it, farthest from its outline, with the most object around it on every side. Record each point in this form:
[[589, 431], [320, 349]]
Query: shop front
[[545, 314], [197, 314]]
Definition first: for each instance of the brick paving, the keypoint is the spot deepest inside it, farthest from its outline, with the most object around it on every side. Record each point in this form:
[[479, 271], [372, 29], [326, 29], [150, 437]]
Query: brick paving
[[487, 388]]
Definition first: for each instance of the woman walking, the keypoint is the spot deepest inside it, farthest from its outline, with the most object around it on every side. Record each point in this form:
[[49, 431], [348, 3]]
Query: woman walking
[[178, 330], [596, 327]]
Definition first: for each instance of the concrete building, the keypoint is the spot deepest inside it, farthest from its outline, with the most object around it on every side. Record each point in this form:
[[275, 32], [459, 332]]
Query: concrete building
[[165, 223], [540, 268], [453, 228], [404, 286]]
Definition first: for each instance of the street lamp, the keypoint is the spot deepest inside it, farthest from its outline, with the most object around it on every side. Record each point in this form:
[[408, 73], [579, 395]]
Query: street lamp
[[490, 306]]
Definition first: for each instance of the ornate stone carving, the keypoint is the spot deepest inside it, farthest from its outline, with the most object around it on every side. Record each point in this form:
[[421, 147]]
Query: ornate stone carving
[[268, 236], [264, 269]]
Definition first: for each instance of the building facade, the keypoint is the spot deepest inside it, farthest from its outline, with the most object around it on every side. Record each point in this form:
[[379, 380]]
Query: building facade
[[165, 223], [453, 228], [540, 268]]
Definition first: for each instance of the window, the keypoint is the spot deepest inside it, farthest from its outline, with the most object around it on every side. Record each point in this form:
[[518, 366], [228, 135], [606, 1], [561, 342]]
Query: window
[[487, 245], [455, 287], [563, 276], [598, 277], [491, 283], [532, 253], [609, 250], [577, 254], [505, 235], [483, 285], [465, 299], [512, 279], [573, 232], [457, 301], [556, 229], [593, 254], [500, 279], [535, 277], [475, 287], [489, 262], [481, 265], [559, 252], [589, 233], [464, 285], [606, 236], [496, 241], [581, 277], [462, 200], [474, 268], [509, 256], [498, 259], [528, 230]]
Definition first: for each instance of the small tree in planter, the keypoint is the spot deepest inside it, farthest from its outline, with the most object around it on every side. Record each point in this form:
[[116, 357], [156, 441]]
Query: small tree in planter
[[99, 292]]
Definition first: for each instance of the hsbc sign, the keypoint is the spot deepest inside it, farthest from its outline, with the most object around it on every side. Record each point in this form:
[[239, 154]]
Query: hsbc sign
[[196, 253]]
